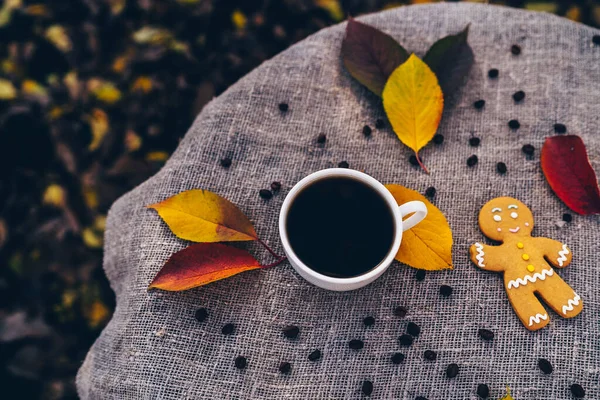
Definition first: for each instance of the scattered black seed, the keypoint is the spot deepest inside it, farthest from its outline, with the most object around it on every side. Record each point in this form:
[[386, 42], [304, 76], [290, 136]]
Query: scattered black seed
[[369, 321], [285, 367], [226, 162], [430, 355], [367, 130], [528, 149], [472, 160], [321, 138], [240, 362], [486, 334], [413, 329], [400, 311], [315, 355], [516, 50], [577, 390], [265, 194], [474, 141], [397, 358], [430, 192], [483, 391], [545, 366], [379, 124], [452, 370], [276, 186], [420, 398], [367, 387], [567, 217], [413, 160], [356, 344], [283, 107], [560, 128], [438, 139], [201, 314], [405, 340], [479, 104], [514, 124], [445, 290], [420, 275], [227, 329], [343, 164], [518, 96], [493, 73], [596, 39], [501, 168], [291, 331]]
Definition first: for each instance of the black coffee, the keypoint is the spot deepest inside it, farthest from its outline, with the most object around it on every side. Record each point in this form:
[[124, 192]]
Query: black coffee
[[340, 227]]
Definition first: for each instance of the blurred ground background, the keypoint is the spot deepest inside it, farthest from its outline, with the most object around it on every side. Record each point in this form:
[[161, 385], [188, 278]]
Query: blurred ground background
[[94, 96]]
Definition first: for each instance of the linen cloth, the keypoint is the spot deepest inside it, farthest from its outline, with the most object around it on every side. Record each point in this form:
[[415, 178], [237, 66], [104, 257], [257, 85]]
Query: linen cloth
[[153, 348]]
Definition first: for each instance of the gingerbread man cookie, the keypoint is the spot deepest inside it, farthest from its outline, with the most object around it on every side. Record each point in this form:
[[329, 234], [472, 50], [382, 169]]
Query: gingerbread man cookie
[[525, 260]]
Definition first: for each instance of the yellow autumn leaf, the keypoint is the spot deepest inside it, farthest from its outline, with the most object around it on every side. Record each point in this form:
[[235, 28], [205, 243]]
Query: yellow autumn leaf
[[413, 102], [99, 125], [202, 216], [428, 245]]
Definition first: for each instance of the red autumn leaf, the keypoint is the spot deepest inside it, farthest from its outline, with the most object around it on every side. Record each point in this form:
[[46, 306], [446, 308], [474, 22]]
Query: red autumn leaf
[[568, 171], [370, 55], [200, 264]]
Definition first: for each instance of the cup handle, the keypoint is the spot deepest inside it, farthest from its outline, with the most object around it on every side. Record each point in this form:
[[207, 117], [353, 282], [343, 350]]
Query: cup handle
[[417, 208]]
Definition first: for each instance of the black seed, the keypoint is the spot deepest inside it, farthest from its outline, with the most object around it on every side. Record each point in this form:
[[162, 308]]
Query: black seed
[[514, 124], [343, 164], [413, 329], [227, 329], [452, 370], [276, 186], [240, 362], [400, 311], [420, 275], [430, 355], [545, 366], [479, 104], [516, 50], [486, 334], [367, 130], [430, 191], [315, 355], [577, 390], [445, 290], [397, 358], [405, 340], [291, 331], [369, 321], [420, 398], [596, 39], [528, 149], [567, 217], [283, 107], [356, 344], [438, 139], [560, 128], [201, 314], [483, 390], [493, 73], [367, 388], [472, 160], [518, 96], [226, 162], [413, 160], [501, 168], [285, 367], [379, 124], [265, 194], [321, 138], [474, 141]]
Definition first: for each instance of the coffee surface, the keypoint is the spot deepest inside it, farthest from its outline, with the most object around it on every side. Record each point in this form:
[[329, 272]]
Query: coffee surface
[[340, 227]]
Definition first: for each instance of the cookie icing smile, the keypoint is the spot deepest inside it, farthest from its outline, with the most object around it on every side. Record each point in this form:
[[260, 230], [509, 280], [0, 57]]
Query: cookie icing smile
[[514, 230]]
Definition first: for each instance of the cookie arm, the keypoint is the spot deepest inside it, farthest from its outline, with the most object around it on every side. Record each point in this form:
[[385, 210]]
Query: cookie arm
[[555, 252], [481, 255]]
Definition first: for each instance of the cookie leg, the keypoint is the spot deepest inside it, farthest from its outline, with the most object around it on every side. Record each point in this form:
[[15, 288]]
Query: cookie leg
[[560, 297], [528, 308]]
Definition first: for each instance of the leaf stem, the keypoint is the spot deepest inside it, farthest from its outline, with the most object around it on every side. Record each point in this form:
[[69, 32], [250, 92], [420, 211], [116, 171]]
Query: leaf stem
[[270, 250], [276, 263], [421, 163]]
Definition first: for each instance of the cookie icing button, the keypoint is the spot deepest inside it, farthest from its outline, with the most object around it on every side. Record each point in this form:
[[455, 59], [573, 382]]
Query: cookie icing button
[[536, 318], [480, 254], [562, 255], [520, 245], [525, 257], [515, 283], [530, 268], [570, 303]]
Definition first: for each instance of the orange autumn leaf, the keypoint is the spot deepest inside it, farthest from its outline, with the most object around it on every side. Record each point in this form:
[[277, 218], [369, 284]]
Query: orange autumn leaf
[[427, 245], [200, 264], [202, 216]]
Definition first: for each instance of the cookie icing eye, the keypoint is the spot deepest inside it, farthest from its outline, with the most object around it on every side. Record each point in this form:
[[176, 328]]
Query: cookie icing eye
[[514, 215], [497, 218]]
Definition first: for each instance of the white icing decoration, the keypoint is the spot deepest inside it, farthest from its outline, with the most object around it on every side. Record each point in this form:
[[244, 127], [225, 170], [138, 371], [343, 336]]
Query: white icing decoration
[[572, 302], [526, 223], [499, 229], [480, 254], [514, 230], [530, 278], [497, 209], [514, 215], [536, 318], [562, 255], [497, 218], [512, 206]]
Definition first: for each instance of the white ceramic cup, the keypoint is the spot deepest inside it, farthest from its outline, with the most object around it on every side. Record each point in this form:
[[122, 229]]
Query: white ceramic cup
[[417, 208]]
